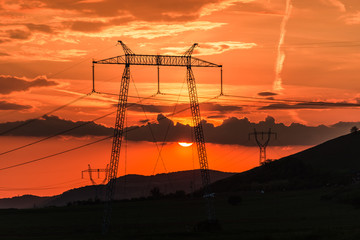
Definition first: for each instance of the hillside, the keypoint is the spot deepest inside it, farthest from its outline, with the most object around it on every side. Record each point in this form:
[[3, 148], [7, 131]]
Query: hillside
[[26, 201], [127, 187], [334, 162]]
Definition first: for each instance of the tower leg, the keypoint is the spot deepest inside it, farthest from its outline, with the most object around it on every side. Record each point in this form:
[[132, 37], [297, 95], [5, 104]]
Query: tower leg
[[262, 154], [116, 146], [200, 142]]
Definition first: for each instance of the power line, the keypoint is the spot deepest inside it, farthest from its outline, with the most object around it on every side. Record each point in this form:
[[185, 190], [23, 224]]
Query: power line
[[87, 144], [48, 113], [55, 154], [62, 132]]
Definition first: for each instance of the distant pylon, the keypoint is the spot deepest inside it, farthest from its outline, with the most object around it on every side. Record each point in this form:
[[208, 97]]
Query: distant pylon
[[98, 171], [262, 143]]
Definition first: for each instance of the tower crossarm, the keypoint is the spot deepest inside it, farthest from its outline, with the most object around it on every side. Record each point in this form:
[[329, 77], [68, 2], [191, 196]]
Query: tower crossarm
[[157, 60]]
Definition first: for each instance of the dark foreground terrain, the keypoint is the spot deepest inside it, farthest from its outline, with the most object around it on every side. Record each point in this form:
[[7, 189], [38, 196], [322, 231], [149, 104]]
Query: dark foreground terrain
[[326, 213]]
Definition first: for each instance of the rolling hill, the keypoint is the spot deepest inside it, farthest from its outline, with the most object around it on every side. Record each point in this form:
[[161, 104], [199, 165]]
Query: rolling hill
[[128, 187], [334, 162]]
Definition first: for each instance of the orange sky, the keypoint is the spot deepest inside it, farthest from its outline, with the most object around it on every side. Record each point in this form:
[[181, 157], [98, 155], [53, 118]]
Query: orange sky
[[46, 49]]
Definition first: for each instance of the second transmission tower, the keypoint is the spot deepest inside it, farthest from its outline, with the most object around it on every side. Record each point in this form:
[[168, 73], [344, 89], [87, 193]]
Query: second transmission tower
[[262, 139]]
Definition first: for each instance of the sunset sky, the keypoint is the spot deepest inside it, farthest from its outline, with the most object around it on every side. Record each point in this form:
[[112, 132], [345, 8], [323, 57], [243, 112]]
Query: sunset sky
[[294, 60]]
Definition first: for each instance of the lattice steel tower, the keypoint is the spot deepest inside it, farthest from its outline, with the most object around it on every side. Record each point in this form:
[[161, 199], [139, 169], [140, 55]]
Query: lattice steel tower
[[185, 60], [90, 171], [262, 143]]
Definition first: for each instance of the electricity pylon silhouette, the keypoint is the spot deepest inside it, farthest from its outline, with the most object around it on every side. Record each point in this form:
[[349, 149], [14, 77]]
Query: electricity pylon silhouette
[[98, 171], [90, 171], [262, 143], [185, 60]]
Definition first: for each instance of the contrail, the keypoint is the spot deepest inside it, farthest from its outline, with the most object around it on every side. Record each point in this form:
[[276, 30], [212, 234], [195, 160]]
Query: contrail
[[281, 54]]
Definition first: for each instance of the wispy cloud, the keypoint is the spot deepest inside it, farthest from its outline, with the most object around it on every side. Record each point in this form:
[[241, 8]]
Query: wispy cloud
[[309, 105], [156, 30], [352, 18], [218, 6], [211, 48], [277, 86], [267, 94], [38, 54], [336, 3]]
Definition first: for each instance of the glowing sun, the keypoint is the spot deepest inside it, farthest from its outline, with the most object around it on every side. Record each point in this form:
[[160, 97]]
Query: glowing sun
[[185, 144]]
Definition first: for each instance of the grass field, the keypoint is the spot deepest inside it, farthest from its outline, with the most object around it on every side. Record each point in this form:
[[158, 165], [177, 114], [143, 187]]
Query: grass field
[[287, 215]]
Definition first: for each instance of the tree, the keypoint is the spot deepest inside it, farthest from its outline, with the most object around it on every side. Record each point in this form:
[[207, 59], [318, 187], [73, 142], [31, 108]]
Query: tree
[[155, 192], [354, 129]]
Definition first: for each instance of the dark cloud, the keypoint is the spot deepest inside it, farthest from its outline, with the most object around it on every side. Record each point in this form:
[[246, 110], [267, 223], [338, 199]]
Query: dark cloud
[[82, 26], [39, 28], [232, 131], [308, 105], [266, 94], [140, 9], [4, 40], [4, 105], [236, 131], [50, 125], [222, 108], [96, 26], [210, 107], [9, 84], [216, 117], [3, 53], [151, 108], [18, 34]]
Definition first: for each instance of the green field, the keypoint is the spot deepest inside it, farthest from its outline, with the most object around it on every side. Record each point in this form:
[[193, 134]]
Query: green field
[[274, 215]]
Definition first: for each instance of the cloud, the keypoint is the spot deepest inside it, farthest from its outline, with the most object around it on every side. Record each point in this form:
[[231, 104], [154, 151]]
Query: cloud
[[89, 25], [4, 105], [68, 21], [4, 54], [336, 3], [308, 105], [32, 53], [235, 131], [39, 28], [259, 7], [211, 48], [9, 84], [150, 108], [157, 10], [267, 94], [352, 18], [155, 30], [220, 116], [215, 7], [205, 107], [232, 130], [18, 34], [223, 109], [49, 125]]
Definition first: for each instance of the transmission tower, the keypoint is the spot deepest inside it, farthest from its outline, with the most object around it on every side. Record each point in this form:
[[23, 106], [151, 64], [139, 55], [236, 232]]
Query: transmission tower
[[98, 171], [185, 60], [90, 171], [262, 142]]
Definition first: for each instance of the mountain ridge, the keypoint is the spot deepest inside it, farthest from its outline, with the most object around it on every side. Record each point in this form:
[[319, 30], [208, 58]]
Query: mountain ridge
[[127, 187]]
